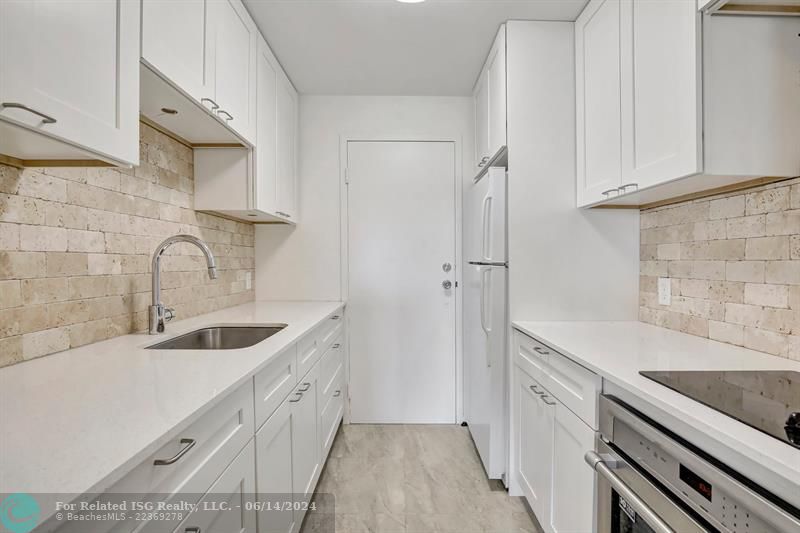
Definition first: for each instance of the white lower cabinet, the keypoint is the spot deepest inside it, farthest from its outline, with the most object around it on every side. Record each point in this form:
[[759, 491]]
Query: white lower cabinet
[[305, 441], [274, 477], [549, 444], [572, 481], [228, 507]]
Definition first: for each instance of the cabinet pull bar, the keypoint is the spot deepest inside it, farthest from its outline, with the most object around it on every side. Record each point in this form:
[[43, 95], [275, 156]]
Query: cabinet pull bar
[[540, 350], [537, 391], [47, 119], [544, 399], [177, 457], [337, 394], [228, 115], [192, 530], [214, 105], [306, 385], [335, 317], [299, 396], [609, 191]]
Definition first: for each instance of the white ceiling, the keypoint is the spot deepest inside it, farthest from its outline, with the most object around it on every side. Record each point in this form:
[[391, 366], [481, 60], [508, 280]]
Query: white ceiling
[[384, 47]]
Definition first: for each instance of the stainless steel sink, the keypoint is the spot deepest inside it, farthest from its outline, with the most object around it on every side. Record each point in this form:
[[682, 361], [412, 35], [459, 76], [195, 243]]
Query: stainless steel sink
[[220, 338]]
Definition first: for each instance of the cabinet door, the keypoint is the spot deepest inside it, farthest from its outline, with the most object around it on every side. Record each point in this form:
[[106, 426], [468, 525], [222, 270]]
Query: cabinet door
[[228, 505], [597, 105], [534, 430], [496, 74], [235, 50], [287, 149], [481, 101], [572, 489], [305, 439], [174, 43], [660, 91], [265, 186], [76, 62], [274, 481]]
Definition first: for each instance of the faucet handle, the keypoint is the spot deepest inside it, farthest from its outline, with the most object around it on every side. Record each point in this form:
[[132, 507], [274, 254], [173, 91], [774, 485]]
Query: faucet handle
[[169, 314]]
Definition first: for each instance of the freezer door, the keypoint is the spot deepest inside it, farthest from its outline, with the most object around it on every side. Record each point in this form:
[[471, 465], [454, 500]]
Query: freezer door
[[488, 218], [485, 333]]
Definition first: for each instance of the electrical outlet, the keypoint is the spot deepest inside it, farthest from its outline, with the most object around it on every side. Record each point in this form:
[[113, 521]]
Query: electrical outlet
[[664, 291], [248, 281]]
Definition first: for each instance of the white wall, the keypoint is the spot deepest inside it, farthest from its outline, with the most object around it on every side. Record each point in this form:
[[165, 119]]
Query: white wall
[[303, 262], [564, 263]]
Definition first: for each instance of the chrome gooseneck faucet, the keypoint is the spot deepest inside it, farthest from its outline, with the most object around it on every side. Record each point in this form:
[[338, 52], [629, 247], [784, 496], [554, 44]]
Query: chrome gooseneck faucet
[[158, 313]]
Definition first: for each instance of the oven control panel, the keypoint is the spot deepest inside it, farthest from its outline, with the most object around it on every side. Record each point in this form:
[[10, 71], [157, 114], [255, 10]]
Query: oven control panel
[[688, 482]]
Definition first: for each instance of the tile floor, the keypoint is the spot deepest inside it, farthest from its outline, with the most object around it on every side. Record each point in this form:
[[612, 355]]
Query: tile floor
[[407, 478]]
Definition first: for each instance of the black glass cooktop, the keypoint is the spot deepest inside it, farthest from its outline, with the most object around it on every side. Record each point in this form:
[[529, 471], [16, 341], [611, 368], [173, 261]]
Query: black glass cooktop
[[766, 400]]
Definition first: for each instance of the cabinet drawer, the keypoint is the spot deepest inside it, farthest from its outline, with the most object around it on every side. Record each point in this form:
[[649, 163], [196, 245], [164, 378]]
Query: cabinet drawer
[[274, 383], [531, 356], [330, 329], [331, 367], [573, 385], [331, 414], [196, 457]]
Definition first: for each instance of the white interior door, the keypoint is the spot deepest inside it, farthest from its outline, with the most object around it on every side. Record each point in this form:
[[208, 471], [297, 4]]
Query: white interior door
[[401, 230]]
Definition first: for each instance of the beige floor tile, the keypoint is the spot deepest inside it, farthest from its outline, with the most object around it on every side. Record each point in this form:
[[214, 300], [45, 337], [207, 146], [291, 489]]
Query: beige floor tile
[[413, 478]]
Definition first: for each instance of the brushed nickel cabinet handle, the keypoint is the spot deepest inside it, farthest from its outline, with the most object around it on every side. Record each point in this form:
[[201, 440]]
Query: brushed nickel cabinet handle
[[540, 351], [299, 396], [544, 399], [337, 394], [228, 115], [337, 345], [192, 530], [189, 444], [307, 386], [281, 213], [214, 105], [537, 391], [335, 317], [609, 191], [47, 119]]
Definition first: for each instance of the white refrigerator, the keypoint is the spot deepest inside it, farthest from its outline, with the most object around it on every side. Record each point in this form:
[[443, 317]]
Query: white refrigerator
[[485, 321]]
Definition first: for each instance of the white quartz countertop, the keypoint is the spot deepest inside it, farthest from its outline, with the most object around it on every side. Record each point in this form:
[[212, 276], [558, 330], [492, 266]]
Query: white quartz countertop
[[77, 421], [617, 351]]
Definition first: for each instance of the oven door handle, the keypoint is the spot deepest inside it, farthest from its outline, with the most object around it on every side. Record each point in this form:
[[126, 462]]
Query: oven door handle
[[599, 465]]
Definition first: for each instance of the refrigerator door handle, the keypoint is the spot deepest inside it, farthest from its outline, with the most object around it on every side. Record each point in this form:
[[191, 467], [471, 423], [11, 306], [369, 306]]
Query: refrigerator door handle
[[486, 329], [485, 227]]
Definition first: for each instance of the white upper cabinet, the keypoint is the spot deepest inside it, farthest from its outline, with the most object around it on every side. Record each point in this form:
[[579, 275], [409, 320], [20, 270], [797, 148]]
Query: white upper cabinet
[[661, 91], [69, 80], [598, 95], [286, 149], [235, 49], [670, 102], [258, 185], [174, 42], [207, 50], [489, 97]]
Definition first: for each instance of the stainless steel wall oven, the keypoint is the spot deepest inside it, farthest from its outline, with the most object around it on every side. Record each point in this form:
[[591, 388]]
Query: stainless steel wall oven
[[649, 480]]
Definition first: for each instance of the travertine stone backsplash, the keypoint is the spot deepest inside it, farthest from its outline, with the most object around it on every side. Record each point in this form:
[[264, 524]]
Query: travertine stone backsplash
[[734, 264], [76, 245]]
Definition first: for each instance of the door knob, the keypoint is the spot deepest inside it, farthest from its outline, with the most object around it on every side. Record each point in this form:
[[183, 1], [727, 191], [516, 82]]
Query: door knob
[[447, 284], [447, 267]]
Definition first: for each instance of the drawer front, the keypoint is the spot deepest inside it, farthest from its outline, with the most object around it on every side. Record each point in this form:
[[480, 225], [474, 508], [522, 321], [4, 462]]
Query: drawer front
[[330, 329], [197, 456], [274, 383], [308, 352], [331, 414], [574, 386], [531, 356], [331, 367]]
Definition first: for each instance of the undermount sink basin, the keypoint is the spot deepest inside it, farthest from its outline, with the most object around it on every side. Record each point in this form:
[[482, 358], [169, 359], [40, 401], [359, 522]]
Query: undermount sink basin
[[220, 338]]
